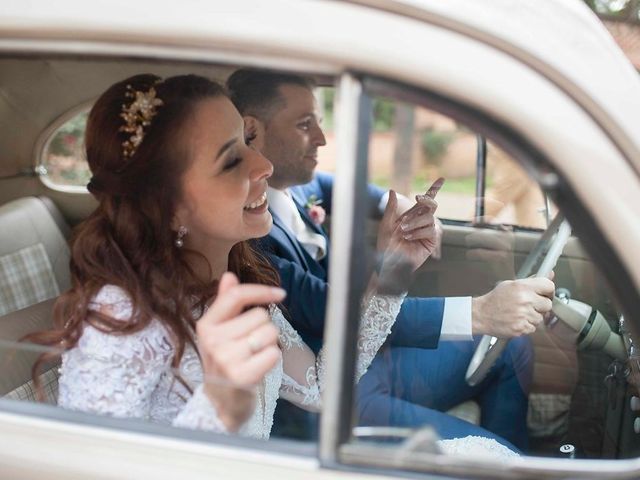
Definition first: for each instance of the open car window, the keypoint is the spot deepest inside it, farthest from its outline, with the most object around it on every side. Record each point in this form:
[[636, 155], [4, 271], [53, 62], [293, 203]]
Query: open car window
[[569, 390]]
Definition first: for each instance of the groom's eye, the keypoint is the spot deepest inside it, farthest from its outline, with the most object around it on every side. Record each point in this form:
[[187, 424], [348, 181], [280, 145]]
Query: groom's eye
[[306, 125], [249, 139]]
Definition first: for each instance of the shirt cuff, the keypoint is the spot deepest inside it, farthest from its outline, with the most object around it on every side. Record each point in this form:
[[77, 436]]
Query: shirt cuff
[[382, 206], [456, 319]]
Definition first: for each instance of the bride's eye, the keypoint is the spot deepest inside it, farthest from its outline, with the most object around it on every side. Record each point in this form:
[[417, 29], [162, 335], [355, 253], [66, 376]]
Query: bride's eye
[[234, 162]]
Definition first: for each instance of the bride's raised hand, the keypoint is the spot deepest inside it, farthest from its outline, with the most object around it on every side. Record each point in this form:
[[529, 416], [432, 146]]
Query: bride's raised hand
[[237, 347], [414, 235]]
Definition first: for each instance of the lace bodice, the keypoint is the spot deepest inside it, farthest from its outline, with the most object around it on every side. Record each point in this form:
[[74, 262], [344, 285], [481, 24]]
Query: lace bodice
[[131, 375]]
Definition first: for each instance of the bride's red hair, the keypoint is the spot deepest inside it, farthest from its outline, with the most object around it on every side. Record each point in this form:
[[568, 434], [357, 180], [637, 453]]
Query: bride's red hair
[[127, 241]]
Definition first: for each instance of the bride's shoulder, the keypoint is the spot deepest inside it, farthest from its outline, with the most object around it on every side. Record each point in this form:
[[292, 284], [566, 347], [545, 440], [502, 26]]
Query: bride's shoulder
[[113, 301]]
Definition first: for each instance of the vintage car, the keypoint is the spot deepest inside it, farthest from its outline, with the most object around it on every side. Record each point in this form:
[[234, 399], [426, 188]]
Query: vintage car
[[529, 110]]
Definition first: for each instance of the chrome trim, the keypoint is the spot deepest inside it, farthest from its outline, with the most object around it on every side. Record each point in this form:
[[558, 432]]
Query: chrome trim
[[386, 457], [372, 432], [346, 276], [481, 178]]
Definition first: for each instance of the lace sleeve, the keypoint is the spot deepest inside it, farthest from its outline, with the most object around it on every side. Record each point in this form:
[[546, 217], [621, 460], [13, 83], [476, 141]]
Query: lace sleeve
[[303, 378], [117, 375], [200, 414], [114, 374], [379, 315]]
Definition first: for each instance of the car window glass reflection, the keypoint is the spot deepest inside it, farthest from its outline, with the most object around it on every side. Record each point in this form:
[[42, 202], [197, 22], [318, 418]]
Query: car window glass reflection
[[555, 390]]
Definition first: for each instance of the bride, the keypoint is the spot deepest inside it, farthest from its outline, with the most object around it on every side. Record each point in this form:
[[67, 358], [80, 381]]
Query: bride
[[153, 327]]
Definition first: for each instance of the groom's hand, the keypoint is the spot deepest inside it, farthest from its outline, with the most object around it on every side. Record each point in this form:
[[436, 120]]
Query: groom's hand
[[513, 308]]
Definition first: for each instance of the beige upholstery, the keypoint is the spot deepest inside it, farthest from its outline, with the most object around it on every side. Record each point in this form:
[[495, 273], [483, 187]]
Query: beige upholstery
[[16, 359], [34, 269], [30, 221]]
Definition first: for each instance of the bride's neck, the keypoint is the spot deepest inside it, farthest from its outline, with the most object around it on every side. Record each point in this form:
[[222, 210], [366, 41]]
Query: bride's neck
[[217, 263]]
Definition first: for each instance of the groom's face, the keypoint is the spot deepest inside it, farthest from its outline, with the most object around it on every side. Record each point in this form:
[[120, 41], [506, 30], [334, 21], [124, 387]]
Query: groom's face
[[292, 136]]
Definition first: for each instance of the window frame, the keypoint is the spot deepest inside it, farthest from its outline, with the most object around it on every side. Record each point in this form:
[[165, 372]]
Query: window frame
[[552, 184], [44, 141], [280, 452]]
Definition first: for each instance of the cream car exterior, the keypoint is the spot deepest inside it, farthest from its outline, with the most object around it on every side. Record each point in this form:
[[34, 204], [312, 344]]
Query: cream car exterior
[[523, 64]]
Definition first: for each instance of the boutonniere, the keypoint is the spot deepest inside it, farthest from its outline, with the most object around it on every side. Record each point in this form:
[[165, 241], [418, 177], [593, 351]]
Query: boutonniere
[[315, 211]]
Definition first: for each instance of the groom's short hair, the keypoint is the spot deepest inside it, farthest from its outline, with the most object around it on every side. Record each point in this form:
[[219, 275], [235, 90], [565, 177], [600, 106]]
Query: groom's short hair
[[256, 92]]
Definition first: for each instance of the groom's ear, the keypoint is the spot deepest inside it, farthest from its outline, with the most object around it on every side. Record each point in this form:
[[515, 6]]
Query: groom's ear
[[254, 128]]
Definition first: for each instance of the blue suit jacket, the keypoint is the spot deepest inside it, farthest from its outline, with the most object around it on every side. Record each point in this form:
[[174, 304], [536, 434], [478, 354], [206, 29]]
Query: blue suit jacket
[[305, 279]]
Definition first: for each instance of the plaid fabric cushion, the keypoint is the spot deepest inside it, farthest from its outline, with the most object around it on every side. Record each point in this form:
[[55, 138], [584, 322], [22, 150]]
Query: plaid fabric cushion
[[27, 392], [548, 414], [26, 277]]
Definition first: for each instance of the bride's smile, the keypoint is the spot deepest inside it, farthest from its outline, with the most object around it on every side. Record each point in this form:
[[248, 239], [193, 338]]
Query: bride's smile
[[258, 206], [224, 186]]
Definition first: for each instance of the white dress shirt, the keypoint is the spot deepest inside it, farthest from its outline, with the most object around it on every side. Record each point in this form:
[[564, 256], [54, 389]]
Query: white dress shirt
[[282, 205]]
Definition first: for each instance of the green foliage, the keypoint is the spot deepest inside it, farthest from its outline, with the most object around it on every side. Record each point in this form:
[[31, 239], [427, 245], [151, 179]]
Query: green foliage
[[383, 114], [383, 111], [65, 162], [68, 138], [625, 10], [419, 183], [328, 95], [435, 144]]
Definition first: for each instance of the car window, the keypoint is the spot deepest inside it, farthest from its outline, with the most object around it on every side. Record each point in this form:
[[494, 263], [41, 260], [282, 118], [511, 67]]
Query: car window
[[34, 261], [62, 162], [555, 391], [573, 400], [411, 144]]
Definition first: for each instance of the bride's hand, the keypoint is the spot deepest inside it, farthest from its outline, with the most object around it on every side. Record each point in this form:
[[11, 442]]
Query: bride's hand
[[237, 347], [415, 234]]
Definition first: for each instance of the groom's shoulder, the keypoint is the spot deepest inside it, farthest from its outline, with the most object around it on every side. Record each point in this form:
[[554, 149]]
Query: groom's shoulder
[[320, 185]]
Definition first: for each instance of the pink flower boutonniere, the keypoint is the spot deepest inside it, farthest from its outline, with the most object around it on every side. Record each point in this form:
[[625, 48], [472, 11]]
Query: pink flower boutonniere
[[315, 211]]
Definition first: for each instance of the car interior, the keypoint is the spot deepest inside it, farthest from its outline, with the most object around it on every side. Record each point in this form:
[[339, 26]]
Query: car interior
[[579, 395]]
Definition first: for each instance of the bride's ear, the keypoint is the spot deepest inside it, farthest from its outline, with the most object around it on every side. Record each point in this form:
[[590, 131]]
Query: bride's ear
[[177, 221], [254, 129]]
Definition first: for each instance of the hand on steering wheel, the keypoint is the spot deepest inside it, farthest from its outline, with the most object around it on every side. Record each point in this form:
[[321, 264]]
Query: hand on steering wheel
[[490, 348], [513, 308]]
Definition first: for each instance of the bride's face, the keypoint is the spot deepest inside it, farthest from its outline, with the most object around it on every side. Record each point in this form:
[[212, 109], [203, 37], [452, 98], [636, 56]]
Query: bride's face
[[224, 188]]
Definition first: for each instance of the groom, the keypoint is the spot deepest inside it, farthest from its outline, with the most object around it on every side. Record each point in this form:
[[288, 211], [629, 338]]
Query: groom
[[417, 377]]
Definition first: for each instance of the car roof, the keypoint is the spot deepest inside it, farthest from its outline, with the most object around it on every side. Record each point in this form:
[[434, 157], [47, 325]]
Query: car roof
[[561, 39]]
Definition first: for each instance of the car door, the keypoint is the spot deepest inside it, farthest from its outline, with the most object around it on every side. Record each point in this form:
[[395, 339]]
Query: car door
[[492, 87]]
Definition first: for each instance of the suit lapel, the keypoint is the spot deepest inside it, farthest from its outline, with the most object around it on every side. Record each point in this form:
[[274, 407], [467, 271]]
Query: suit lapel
[[292, 240], [299, 202]]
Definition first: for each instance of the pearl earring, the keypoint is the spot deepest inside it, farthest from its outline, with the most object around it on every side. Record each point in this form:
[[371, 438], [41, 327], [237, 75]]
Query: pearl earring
[[182, 232]]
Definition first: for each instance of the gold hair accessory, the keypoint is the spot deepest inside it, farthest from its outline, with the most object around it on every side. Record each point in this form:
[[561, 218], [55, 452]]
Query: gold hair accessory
[[137, 116]]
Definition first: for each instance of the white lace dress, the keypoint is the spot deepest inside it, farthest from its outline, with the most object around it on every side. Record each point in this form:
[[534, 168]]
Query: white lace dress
[[131, 376]]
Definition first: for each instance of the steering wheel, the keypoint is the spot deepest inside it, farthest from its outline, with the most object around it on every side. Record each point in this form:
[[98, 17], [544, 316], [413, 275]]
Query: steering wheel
[[552, 241]]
